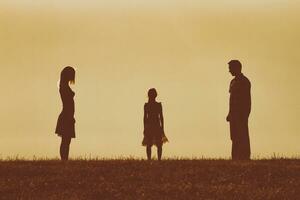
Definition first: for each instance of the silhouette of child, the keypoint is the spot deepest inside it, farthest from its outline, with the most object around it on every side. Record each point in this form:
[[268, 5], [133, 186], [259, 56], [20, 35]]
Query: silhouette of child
[[153, 125]]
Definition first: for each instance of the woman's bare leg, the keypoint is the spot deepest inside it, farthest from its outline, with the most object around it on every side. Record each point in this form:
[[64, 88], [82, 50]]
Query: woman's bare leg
[[64, 147]]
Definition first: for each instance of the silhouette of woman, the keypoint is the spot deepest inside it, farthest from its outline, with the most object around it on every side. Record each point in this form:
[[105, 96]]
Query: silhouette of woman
[[66, 122], [153, 125]]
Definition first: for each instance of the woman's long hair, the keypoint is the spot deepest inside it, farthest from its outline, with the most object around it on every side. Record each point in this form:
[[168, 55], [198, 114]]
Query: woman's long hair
[[67, 76]]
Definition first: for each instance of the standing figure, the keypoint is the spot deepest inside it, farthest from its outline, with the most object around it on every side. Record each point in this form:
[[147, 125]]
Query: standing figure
[[153, 125], [239, 110], [65, 127]]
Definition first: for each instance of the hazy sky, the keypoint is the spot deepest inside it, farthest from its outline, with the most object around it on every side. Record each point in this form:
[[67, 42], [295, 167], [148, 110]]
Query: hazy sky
[[122, 48]]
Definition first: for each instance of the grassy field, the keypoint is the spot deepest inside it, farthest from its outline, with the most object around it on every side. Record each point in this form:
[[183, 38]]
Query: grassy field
[[138, 179]]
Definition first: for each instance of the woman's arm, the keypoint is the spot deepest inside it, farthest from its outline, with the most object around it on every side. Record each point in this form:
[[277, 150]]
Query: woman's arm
[[68, 104]]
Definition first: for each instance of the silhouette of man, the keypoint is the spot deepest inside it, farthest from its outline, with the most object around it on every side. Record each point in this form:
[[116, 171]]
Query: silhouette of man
[[239, 110]]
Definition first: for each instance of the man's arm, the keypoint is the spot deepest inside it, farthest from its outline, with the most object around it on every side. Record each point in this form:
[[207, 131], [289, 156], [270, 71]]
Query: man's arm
[[246, 99], [161, 116], [228, 118]]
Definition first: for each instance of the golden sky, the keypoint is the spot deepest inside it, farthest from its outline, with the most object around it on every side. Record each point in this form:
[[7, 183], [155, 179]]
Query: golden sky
[[122, 48]]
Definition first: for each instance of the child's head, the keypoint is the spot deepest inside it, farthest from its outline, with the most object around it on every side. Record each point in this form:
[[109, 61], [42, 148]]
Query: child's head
[[152, 94]]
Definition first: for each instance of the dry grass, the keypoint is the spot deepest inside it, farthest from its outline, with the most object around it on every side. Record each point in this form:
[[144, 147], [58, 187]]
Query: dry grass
[[138, 179]]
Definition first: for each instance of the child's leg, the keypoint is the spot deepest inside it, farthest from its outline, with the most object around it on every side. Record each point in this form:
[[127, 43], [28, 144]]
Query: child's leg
[[148, 150], [159, 152]]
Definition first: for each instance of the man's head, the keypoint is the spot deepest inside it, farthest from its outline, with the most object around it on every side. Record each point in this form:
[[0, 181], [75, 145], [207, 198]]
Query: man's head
[[235, 67]]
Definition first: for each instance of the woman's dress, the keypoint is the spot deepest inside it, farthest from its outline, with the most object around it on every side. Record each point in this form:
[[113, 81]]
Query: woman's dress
[[66, 123], [153, 131]]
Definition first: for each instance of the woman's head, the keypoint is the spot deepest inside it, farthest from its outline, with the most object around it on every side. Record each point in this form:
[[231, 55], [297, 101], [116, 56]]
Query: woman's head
[[152, 94], [67, 75]]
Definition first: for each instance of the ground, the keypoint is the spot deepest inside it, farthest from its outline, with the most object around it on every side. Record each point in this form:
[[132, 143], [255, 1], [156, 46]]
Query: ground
[[140, 179]]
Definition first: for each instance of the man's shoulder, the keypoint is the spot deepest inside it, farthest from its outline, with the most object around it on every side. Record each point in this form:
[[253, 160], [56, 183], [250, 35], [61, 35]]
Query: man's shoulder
[[233, 80], [246, 80], [242, 79]]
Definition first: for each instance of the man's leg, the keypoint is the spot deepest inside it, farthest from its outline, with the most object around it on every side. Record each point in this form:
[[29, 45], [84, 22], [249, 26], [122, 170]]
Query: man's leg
[[234, 140], [245, 141], [235, 150], [245, 149]]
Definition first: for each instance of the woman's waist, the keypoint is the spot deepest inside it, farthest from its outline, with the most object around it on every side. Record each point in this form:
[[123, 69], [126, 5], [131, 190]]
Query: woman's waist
[[67, 113]]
